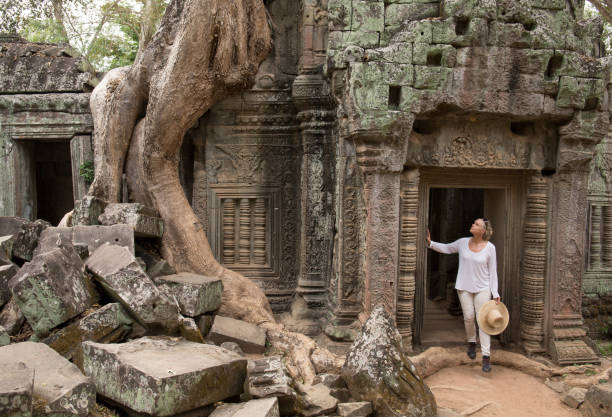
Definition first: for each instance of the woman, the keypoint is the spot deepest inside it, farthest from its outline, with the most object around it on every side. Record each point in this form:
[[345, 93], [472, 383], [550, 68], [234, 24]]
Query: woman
[[476, 281]]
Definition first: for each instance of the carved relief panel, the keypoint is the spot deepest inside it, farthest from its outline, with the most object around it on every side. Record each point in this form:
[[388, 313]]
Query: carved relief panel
[[248, 189]]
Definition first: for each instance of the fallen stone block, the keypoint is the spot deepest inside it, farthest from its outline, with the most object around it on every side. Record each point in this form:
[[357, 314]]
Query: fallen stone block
[[574, 397], [59, 389], [343, 395], [11, 318], [249, 337], [204, 323], [195, 294], [233, 346], [315, 400], [95, 236], [87, 210], [189, 330], [5, 338], [52, 289], [266, 407], [6, 249], [11, 225], [106, 325], [377, 370], [27, 239], [558, 386], [330, 380], [6, 273], [16, 387], [167, 376], [598, 401], [145, 221], [267, 377], [118, 272], [159, 269], [360, 409]]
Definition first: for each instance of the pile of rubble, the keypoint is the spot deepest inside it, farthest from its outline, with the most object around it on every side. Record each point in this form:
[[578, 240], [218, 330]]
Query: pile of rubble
[[87, 313]]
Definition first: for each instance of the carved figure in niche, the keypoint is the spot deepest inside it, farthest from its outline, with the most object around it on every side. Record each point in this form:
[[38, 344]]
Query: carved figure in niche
[[476, 281]]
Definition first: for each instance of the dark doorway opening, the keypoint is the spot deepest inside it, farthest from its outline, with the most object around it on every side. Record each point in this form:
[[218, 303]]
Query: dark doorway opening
[[451, 213], [54, 194]]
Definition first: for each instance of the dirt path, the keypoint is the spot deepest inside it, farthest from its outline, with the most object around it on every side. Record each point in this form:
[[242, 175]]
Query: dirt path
[[510, 393]]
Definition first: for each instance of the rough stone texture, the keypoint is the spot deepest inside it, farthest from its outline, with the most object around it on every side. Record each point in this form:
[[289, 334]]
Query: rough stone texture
[[85, 238], [145, 221], [87, 210], [267, 407], [574, 397], [164, 376], [330, 380], [106, 325], [6, 273], [233, 346], [160, 268], [16, 387], [11, 318], [5, 338], [249, 337], [40, 67], [598, 401], [6, 249], [557, 386], [52, 289], [267, 377], [27, 239], [204, 323], [190, 331], [60, 389], [195, 294], [377, 370], [119, 273], [315, 400], [360, 409], [10, 226]]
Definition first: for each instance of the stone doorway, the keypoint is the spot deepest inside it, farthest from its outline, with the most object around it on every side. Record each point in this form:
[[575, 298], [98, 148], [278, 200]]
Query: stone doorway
[[449, 200], [53, 171]]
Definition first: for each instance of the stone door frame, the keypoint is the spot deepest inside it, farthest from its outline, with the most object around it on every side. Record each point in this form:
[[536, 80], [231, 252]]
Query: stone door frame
[[513, 183]]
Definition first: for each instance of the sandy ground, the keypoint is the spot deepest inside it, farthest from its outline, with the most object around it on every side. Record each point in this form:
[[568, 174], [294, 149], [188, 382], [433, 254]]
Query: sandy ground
[[510, 393]]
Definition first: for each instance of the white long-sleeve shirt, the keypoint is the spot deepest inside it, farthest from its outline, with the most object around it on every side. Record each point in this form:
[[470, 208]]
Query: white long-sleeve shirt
[[477, 270]]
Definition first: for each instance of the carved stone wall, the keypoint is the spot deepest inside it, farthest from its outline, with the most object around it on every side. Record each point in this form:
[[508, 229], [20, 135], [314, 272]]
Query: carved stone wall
[[246, 188]]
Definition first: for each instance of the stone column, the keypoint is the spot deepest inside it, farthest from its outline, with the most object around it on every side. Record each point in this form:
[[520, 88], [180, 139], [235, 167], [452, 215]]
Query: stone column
[[568, 247], [607, 237], [533, 280], [311, 95]]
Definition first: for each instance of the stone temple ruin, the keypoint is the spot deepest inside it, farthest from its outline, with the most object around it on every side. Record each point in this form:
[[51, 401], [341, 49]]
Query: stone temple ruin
[[370, 122]]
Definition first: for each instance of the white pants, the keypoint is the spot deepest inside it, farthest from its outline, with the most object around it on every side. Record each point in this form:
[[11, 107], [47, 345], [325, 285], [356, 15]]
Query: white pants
[[471, 303]]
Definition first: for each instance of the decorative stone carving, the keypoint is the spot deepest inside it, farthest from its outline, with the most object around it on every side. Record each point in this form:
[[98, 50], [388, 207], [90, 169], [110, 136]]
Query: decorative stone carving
[[533, 280], [409, 201]]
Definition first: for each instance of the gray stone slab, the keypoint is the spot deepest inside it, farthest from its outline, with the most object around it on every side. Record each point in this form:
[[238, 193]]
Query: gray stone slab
[[60, 389], [266, 407], [358, 409], [51, 289], [119, 273], [164, 376], [11, 318], [160, 268], [574, 397], [5, 338], [87, 210], [189, 330], [6, 249], [108, 324], [598, 401], [249, 337], [316, 400], [195, 294], [95, 236], [11, 225], [6, 273], [145, 221], [16, 386], [267, 377], [27, 239]]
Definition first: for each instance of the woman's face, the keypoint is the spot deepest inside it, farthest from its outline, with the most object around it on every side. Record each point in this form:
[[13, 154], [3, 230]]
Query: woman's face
[[478, 228]]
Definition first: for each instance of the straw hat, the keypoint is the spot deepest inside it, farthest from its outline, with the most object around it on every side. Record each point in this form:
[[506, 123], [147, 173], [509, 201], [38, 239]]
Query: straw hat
[[493, 318]]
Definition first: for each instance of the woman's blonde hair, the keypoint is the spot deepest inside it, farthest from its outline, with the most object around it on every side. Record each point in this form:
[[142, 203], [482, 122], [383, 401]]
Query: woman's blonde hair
[[488, 229]]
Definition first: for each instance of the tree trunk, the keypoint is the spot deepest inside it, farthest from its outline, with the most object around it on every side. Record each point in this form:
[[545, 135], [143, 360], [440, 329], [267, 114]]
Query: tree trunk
[[203, 51]]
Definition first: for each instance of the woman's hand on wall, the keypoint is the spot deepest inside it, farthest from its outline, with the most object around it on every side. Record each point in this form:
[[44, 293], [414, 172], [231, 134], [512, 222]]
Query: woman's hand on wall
[[428, 238]]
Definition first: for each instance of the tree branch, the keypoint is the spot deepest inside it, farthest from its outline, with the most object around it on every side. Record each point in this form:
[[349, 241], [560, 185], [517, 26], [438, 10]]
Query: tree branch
[[604, 8]]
